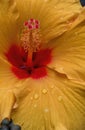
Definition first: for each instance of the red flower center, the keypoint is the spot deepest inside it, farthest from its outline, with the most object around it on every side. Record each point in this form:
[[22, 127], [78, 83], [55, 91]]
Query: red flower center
[[22, 69], [28, 60]]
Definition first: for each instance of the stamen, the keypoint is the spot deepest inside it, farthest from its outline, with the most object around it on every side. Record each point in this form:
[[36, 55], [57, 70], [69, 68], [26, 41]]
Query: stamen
[[31, 38]]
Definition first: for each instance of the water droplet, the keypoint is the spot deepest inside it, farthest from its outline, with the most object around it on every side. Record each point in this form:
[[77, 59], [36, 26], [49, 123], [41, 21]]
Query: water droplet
[[31, 98], [60, 98], [36, 96], [35, 105], [61, 18], [46, 0], [55, 7], [44, 91], [52, 86], [46, 110]]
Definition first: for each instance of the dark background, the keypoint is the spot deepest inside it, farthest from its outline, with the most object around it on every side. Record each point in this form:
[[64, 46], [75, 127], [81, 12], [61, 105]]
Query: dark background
[[82, 2]]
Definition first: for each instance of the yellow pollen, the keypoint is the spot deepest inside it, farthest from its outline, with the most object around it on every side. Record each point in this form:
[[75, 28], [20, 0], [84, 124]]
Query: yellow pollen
[[31, 40]]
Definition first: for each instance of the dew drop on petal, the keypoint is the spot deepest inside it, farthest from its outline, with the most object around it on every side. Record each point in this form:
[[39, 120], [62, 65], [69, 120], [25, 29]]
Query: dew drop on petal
[[55, 7], [60, 98], [46, 110], [52, 86], [36, 96], [44, 91], [61, 18], [31, 98], [35, 105], [46, 0]]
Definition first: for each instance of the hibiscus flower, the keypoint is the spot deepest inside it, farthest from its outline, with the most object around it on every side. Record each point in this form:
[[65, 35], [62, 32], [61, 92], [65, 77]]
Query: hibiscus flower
[[42, 64]]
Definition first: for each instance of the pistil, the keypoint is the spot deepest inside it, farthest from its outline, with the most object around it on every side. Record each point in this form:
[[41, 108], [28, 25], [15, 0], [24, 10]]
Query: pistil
[[29, 59], [31, 39]]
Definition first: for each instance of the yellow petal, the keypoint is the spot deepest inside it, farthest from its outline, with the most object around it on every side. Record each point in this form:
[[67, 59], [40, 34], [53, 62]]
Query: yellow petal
[[11, 89], [69, 53], [52, 14], [6, 75], [53, 102], [8, 26], [6, 104], [8, 81]]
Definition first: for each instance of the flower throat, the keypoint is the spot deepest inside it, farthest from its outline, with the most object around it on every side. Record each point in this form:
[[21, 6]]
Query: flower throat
[[28, 59]]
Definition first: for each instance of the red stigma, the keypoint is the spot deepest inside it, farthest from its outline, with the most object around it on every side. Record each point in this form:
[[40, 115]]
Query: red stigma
[[32, 24]]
